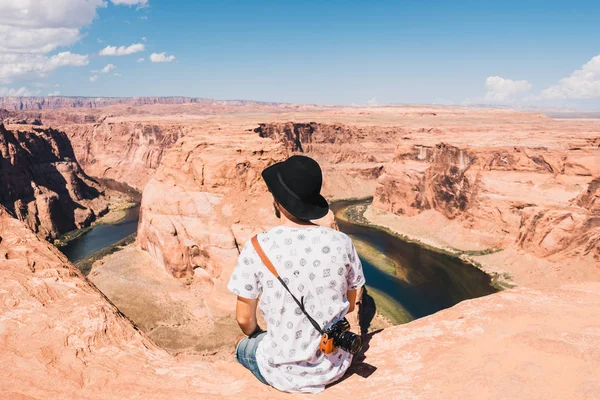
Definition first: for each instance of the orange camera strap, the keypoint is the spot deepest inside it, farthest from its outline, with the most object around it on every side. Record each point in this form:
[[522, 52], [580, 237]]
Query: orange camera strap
[[271, 268]]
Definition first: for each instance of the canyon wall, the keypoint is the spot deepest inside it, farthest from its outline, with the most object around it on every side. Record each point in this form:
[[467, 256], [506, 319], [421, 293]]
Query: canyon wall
[[208, 188], [529, 183], [352, 157], [42, 183], [540, 198], [125, 151], [61, 338], [205, 199]]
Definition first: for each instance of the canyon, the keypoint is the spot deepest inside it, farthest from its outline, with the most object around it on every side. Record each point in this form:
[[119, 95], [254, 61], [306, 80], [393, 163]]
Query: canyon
[[42, 183], [515, 193]]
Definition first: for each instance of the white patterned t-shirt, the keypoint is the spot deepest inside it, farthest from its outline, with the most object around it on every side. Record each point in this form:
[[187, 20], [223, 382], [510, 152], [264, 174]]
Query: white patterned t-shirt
[[319, 264]]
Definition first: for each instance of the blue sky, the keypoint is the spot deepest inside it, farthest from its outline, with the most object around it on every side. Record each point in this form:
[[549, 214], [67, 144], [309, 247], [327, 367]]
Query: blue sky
[[334, 52]]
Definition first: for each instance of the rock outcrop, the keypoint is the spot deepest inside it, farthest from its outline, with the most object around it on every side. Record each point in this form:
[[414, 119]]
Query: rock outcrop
[[43, 185], [206, 198], [124, 151], [480, 180], [61, 338], [352, 157], [542, 199]]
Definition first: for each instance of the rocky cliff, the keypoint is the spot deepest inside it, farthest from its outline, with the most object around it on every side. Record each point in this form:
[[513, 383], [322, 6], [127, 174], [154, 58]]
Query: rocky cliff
[[207, 195], [523, 195], [352, 157], [125, 151], [61, 338], [205, 199], [42, 183], [479, 180]]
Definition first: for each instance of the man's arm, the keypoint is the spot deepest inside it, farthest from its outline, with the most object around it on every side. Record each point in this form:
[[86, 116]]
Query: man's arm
[[245, 313]]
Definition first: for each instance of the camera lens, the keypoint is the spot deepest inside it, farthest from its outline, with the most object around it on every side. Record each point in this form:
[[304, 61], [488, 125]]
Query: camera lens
[[348, 341]]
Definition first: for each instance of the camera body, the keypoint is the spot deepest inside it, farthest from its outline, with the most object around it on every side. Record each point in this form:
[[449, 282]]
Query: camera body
[[338, 335]]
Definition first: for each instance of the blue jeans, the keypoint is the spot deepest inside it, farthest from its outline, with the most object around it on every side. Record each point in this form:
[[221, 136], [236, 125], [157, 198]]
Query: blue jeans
[[245, 353]]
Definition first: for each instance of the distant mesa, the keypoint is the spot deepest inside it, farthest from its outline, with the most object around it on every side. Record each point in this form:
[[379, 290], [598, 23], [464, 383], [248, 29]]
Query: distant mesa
[[56, 102]]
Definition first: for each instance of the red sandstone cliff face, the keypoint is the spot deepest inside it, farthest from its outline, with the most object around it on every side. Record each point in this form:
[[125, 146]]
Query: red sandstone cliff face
[[125, 151], [42, 184], [207, 195], [515, 194], [205, 199], [352, 157], [61, 338]]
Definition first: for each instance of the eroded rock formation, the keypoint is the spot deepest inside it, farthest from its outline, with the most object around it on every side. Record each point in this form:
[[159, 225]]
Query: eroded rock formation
[[206, 198], [43, 185], [352, 157], [540, 197], [125, 151], [208, 189], [61, 338], [478, 179]]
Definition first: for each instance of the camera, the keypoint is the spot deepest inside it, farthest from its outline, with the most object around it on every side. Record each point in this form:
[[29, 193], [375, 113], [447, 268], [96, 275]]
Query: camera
[[338, 335]]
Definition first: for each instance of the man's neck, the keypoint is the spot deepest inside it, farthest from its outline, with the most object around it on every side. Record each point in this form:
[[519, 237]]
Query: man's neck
[[295, 224]]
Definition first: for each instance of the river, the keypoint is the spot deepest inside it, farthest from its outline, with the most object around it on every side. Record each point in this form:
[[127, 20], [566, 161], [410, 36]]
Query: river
[[405, 281], [424, 281], [105, 235]]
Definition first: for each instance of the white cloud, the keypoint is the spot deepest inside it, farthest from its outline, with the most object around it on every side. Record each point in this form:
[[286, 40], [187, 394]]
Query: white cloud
[[144, 17], [121, 50], [55, 93], [49, 14], [144, 38], [117, 74], [4, 91], [372, 102], [30, 29], [161, 58], [14, 66], [583, 83], [93, 78], [504, 90], [108, 68], [140, 59], [139, 3], [33, 40]]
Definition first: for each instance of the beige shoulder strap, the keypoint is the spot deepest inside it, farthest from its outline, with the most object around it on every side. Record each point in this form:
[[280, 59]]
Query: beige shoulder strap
[[264, 257]]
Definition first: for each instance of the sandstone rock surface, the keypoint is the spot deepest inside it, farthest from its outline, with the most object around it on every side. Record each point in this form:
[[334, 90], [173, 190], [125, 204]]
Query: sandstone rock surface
[[521, 187], [520, 344], [485, 185], [61, 338], [352, 157], [124, 151], [43, 185]]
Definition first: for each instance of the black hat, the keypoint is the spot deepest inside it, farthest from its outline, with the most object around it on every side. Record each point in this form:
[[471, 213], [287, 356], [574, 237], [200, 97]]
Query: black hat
[[296, 184]]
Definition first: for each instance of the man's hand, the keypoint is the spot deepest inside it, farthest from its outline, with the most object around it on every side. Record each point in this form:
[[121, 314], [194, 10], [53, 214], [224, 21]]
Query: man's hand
[[245, 313]]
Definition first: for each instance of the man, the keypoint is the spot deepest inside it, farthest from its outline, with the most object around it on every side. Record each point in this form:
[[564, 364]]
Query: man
[[318, 264]]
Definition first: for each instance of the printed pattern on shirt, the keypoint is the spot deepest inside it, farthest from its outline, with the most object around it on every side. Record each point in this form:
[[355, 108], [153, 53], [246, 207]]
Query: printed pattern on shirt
[[319, 264]]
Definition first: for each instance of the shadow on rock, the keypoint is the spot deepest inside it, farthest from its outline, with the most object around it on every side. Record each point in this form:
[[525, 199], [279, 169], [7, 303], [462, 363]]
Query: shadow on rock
[[366, 312], [359, 366]]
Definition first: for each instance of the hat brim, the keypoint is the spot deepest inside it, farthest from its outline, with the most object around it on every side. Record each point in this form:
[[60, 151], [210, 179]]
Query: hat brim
[[314, 208]]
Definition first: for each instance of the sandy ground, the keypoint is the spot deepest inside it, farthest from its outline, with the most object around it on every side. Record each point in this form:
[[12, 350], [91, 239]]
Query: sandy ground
[[172, 313]]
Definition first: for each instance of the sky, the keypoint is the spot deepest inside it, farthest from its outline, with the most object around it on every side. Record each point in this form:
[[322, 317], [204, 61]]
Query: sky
[[532, 53]]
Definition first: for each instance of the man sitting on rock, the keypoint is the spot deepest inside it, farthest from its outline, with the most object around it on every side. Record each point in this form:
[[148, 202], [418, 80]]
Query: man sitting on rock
[[319, 274]]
